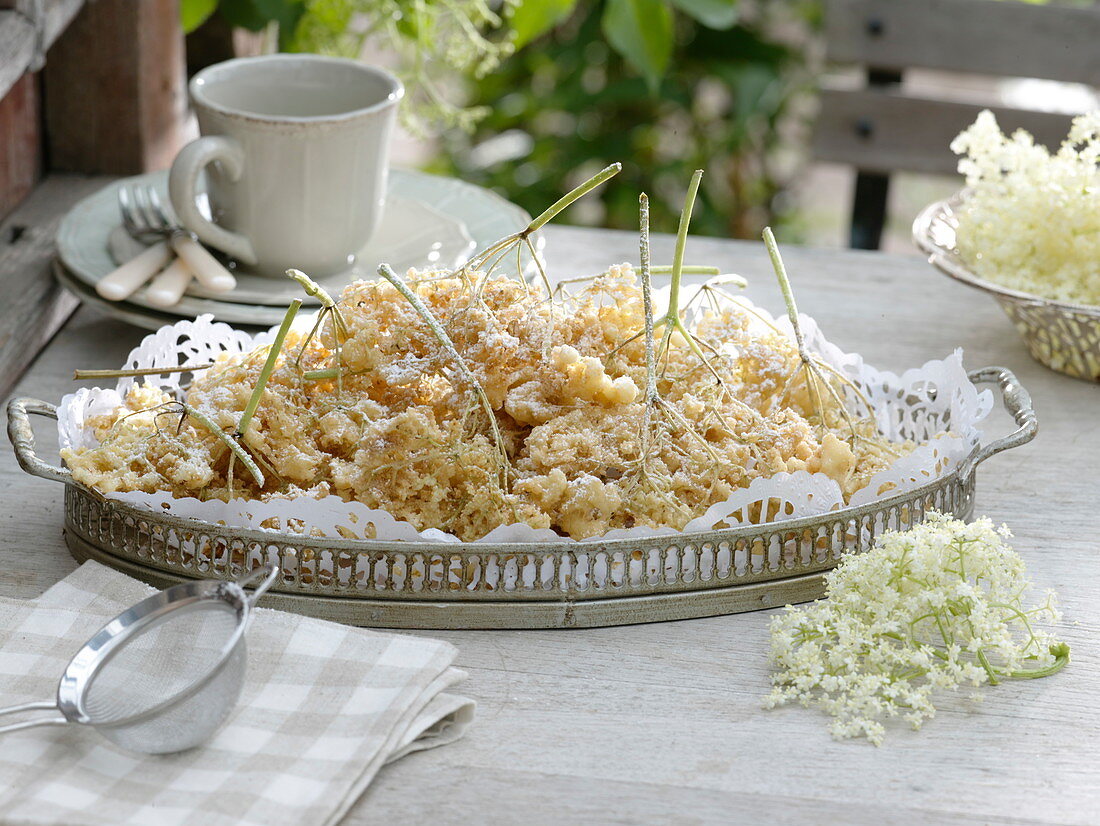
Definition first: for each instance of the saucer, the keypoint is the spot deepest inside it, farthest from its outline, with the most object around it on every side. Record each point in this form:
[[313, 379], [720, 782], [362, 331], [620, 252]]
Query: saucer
[[453, 218], [410, 234]]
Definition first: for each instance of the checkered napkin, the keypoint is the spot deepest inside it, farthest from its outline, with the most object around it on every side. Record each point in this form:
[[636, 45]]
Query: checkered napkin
[[324, 706]]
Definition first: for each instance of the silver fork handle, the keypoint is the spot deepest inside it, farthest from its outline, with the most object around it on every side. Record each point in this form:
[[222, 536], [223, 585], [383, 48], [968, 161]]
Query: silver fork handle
[[41, 721]]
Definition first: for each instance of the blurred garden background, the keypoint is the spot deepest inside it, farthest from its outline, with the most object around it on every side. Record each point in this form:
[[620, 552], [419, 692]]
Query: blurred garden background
[[529, 97]]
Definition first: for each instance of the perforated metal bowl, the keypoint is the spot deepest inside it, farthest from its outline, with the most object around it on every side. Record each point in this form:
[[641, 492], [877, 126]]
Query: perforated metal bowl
[[1063, 336], [511, 585]]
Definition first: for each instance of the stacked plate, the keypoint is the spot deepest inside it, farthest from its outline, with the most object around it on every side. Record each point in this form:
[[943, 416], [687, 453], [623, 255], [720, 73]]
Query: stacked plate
[[429, 221]]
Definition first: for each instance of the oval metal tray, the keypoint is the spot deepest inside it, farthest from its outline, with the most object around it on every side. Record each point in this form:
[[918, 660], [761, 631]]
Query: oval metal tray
[[510, 585]]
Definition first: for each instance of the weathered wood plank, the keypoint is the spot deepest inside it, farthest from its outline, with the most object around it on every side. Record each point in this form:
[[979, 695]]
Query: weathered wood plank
[[1051, 41], [887, 132], [21, 139], [17, 35], [120, 62], [34, 305], [20, 143], [663, 723], [16, 48]]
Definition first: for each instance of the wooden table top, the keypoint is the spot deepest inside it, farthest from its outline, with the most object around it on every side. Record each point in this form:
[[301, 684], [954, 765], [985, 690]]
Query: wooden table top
[[663, 723]]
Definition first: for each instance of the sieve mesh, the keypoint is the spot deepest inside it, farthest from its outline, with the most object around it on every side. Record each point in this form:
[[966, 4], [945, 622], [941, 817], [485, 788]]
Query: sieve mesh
[[160, 661]]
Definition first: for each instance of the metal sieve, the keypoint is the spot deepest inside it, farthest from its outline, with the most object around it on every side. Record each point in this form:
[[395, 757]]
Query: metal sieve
[[163, 675]]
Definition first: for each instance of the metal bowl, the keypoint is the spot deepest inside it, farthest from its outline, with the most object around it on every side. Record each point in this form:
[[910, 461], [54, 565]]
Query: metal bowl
[[1063, 336], [511, 585]]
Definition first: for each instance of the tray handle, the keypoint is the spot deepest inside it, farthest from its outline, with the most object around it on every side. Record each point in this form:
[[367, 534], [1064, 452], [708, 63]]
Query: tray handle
[[21, 435], [1017, 401]]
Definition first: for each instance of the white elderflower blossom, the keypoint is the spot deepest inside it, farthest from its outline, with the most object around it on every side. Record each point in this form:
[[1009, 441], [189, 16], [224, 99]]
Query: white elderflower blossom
[[933, 608], [1031, 220]]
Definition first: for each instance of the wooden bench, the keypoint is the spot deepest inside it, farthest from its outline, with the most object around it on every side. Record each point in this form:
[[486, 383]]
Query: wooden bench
[[880, 128]]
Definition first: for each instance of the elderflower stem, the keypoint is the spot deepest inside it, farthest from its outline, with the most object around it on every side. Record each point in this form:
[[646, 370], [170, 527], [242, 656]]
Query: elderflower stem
[[671, 319], [814, 377], [550, 212], [267, 369], [229, 442], [647, 305], [315, 290], [989, 669], [79, 375], [784, 284], [538, 264], [677, 270], [652, 396], [311, 287], [1061, 659], [445, 342], [686, 269], [681, 243]]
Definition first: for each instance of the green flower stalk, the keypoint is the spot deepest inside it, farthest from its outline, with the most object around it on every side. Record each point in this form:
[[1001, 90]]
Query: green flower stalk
[[237, 442], [492, 256], [467, 374], [236, 451], [267, 369], [84, 375], [812, 368]]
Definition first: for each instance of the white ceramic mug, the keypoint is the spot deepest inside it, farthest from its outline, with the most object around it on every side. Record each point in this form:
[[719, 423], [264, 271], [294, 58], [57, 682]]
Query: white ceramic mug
[[295, 149]]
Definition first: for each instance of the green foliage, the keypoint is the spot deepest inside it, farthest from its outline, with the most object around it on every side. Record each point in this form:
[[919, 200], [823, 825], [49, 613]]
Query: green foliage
[[259, 14], [641, 31], [665, 86], [715, 14], [254, 15], [193, 13], [438, 43], [530, 20], [594, 89]]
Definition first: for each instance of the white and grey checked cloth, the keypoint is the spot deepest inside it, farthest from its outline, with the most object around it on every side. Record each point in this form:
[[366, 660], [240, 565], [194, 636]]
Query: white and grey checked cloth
[[324, 706]]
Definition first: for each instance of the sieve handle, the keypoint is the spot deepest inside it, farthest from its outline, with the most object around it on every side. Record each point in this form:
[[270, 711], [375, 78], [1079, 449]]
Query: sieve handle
[[270, 573], [21, 435], [1017, 402], [47, 721]]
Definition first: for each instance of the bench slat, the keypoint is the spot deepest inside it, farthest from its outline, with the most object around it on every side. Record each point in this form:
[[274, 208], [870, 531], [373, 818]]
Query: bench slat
[[989, 37], [877, 131]]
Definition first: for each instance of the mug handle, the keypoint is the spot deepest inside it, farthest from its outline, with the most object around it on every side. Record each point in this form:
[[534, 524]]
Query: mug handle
[[183, 182]]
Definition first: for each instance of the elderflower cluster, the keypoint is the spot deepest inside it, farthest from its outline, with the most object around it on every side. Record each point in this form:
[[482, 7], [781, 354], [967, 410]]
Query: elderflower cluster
[[930, 609], [1031, 219]]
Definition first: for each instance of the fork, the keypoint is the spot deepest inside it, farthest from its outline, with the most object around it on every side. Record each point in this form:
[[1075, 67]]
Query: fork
[[145, 219], [124, 281]]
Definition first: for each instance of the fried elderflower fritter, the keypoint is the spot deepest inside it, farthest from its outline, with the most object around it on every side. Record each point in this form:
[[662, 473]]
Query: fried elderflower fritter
[[376, 410]]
